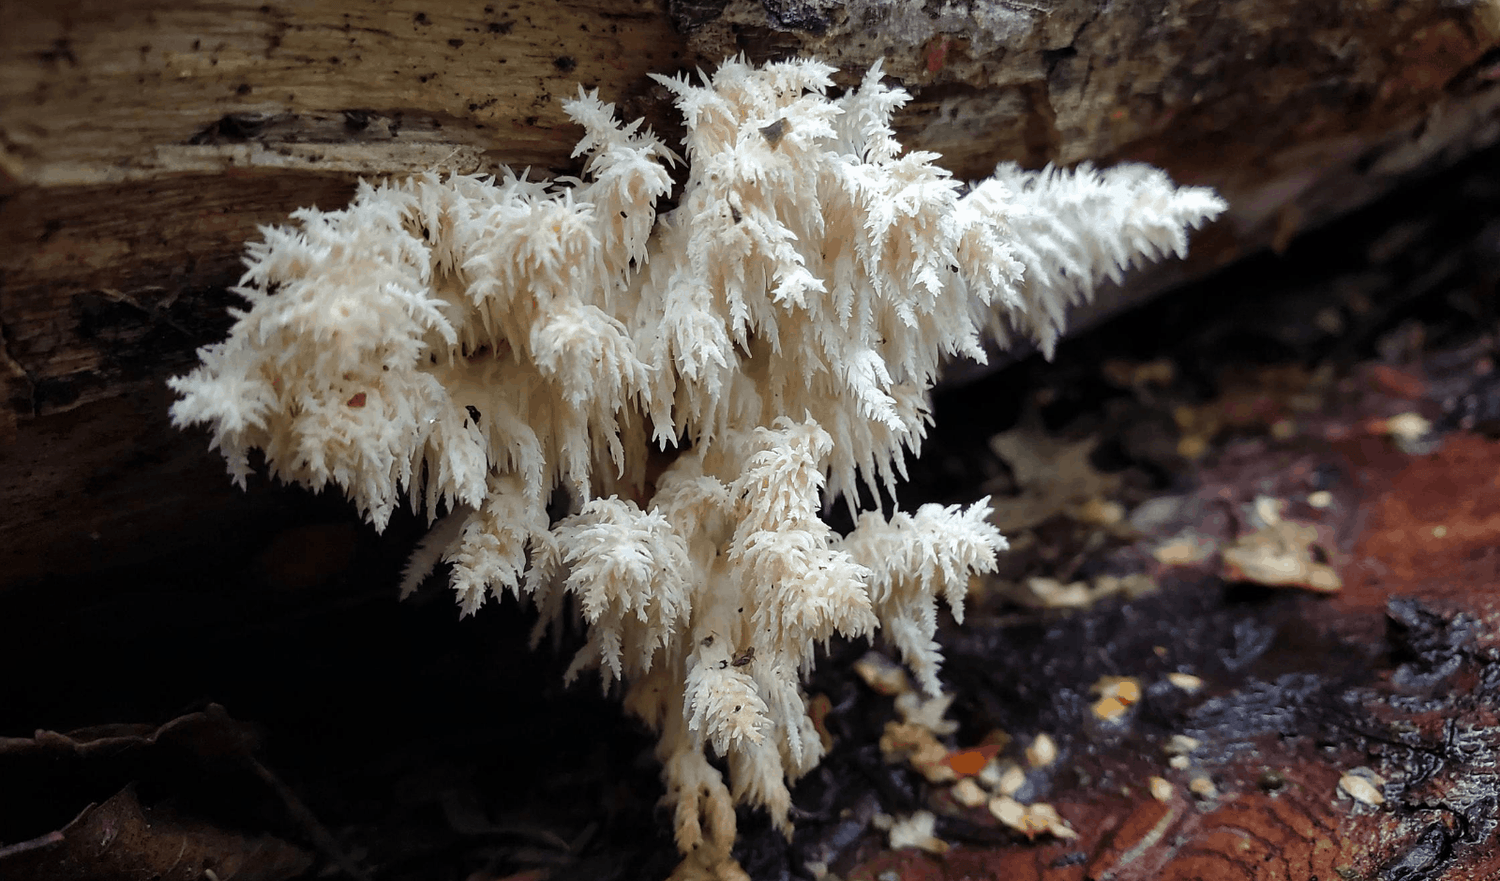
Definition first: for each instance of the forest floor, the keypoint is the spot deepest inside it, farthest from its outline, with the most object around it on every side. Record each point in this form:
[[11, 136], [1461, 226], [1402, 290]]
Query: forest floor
[[1247, 628]]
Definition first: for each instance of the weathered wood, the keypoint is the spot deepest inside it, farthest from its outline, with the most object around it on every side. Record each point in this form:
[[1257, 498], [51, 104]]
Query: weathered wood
[[142, 143], [108, 283]]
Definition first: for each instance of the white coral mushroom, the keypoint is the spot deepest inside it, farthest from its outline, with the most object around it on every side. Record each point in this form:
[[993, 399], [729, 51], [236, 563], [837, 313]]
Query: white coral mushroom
[[477, 343]]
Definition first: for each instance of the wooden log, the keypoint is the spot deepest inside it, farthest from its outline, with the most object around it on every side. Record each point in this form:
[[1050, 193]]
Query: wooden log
[[142, 143]]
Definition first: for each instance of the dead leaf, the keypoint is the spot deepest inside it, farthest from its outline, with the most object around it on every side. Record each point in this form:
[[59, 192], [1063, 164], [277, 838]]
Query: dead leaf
[[1054, 475], [120, 840], [1281, 554]]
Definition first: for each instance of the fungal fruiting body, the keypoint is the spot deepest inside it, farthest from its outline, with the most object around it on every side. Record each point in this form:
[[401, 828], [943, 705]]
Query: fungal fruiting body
[[476, 344]]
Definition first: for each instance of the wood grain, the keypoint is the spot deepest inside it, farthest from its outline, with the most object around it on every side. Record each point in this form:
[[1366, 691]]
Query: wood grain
[[142, 144]]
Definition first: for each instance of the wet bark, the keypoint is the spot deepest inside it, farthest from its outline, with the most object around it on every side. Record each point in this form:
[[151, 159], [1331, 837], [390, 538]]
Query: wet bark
[[143, 143]]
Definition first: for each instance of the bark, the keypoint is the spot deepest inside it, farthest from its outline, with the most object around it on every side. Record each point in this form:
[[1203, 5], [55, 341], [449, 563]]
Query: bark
[[142, 143]]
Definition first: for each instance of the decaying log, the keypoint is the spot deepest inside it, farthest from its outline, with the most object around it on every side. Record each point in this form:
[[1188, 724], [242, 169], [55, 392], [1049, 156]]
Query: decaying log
[[142, 143]]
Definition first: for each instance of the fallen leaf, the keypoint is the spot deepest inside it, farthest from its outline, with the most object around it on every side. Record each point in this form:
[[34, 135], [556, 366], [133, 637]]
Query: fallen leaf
[[120, 840]]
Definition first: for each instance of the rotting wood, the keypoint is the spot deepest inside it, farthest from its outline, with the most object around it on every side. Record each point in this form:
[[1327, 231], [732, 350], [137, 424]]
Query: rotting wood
[[142, 143], [1421, 526]]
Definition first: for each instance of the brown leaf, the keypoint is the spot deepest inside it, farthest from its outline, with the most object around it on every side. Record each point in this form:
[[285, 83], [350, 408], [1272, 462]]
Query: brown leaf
[[122, 841]]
